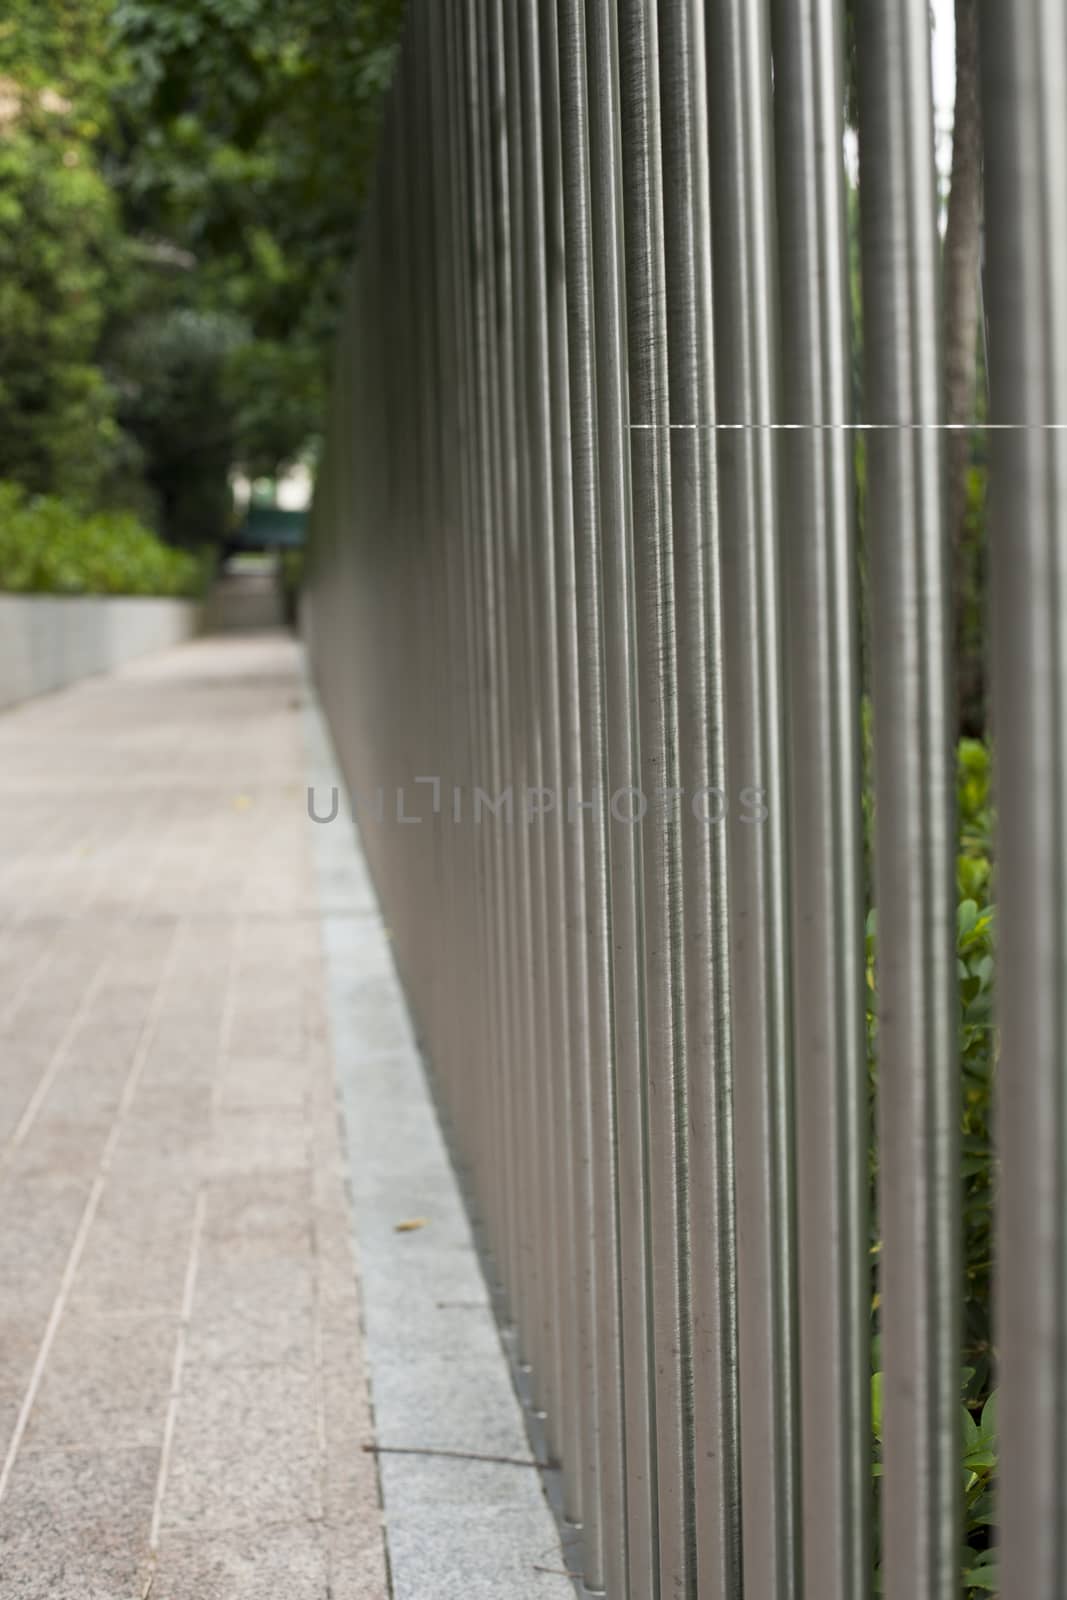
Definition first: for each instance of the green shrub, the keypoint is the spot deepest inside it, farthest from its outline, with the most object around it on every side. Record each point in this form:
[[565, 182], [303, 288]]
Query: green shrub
[[47, 547]]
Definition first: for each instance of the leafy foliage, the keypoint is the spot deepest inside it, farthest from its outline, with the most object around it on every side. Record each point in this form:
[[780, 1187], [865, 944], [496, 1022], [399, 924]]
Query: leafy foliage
[[47, 547], [246, 134], [174, 402], [60, 246], [179, 179]]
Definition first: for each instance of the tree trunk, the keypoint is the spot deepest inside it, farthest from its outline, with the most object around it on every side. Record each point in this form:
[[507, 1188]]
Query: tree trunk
[[962, 261]]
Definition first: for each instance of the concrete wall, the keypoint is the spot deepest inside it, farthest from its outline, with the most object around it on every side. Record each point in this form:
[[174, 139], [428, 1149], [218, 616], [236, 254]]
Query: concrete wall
[[47, 641]]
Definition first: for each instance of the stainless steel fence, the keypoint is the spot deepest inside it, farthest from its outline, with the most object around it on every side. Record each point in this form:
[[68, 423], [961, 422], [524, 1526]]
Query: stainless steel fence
[[585, 614]]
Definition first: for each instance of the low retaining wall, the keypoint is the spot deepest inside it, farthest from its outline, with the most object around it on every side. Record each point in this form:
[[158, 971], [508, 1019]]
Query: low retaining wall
[[48, 641]]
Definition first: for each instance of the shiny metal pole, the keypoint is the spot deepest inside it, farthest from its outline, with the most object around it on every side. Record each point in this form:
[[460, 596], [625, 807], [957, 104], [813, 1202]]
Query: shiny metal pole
[[624, 781], [915, 843], [702, 775], [406, 325], [487, 224], [747, 383], [657, 744], [560, 1309], [604, 1543], [476, 1023], [516, 1064], [1025, 110], [442, 538], [542, 1319], [580, 1380], [821, 614], [483, 608]]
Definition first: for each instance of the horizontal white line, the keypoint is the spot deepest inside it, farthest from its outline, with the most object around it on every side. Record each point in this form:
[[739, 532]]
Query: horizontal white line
[[848, 427]]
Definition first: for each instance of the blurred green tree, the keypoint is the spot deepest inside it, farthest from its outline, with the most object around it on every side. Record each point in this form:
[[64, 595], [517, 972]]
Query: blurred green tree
[[60, 246], [180, 186], [245, 135], [174, 402]]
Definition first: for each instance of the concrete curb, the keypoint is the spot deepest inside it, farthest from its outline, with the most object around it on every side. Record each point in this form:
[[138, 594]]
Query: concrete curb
[[456, 1529]]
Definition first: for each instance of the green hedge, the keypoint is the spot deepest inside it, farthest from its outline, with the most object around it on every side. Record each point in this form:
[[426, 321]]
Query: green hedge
[[48, 547]]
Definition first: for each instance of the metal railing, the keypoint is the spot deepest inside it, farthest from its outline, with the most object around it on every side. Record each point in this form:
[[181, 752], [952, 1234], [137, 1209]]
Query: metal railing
[[585, 614]]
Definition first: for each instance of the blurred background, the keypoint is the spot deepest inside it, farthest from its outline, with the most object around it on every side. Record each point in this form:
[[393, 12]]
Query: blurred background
[[180, 189]]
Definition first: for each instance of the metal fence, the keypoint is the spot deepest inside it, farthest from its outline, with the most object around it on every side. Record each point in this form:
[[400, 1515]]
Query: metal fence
[[585, 615]]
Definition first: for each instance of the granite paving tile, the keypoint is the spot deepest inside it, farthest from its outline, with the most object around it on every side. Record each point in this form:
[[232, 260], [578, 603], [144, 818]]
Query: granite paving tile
[[183, 1395]]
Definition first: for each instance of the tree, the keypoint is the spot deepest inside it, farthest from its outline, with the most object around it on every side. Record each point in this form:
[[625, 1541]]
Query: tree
[[60, 246], [246, 133], [174, 402], [180, 186]]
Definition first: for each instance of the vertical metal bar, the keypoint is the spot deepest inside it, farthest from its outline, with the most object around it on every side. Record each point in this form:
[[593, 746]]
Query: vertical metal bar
[[559, 1308], [743, 203], [497, 617], [474, 1113], [604, 1545], [403, 317], [581, 1464], [440, 532], [624, 780], [1025, 112], [505, 493], [534, 505], [436, 516], [914, 801], [530, 1288], [828, 923], [473, 966], [446, 538], [483, 606], [702, 776], [664, 1043]]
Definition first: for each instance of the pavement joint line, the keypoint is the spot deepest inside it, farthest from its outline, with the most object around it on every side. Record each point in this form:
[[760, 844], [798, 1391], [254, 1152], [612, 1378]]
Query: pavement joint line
[[226, 1020], [321, 1436], [29, 978], [170, 1422], [57, 1058], [47, 955], [56, 1061], [88, 1216], [13, 925]]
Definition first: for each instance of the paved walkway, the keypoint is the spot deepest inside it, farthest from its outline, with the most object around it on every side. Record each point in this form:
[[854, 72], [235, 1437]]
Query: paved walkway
[[182, 1401]]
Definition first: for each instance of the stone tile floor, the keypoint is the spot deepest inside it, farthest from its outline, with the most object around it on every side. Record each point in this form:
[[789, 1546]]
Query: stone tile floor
[[182, 1394]]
